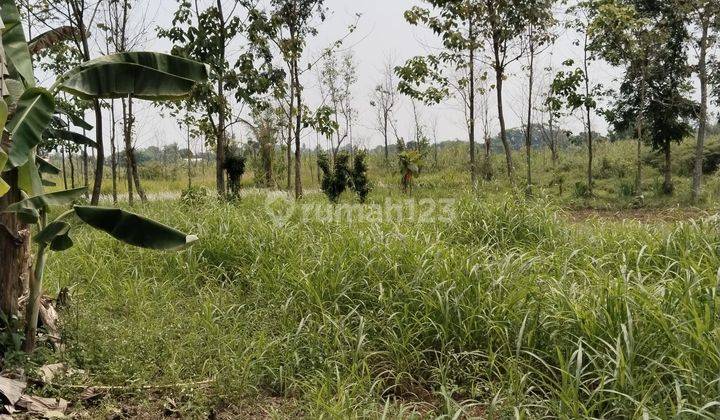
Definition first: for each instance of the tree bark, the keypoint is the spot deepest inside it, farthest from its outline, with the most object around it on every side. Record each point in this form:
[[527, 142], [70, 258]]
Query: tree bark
[[133, 161], [667, 184], [64, 169], [588, 110], [298, 122], [113, 152], [702, 118], [13, 250], [471, 122], [128, 153], [499, 75], [528, 133]]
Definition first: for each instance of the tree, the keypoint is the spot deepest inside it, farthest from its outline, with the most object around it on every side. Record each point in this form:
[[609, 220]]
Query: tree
[[704, 17], [540, 21], [80, 16], [574, 84], [336, 84], [206, 36], [663, 99], [288, 24], [428, 78], [384, 98]]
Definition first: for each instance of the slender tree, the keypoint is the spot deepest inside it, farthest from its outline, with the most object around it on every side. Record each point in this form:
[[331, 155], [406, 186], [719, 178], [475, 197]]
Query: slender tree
[[384, 98]]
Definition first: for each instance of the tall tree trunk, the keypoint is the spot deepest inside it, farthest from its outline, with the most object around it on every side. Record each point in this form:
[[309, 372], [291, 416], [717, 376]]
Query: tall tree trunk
[[589, 121], [288, 152], [189, 158], [13, 249], [220, 153], [64, 169], [298, 122], [471, 122], [499, 75], [127, 134], [528, 132], [133, 161], [639, 124], [113, 151], [72, 169], [702, 118], [553, 141], [385, 135], [85, 167], [667, 184], [100, 159]]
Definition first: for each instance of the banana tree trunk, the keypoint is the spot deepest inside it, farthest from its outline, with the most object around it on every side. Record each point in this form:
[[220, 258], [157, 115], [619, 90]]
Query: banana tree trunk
[[13, 250]]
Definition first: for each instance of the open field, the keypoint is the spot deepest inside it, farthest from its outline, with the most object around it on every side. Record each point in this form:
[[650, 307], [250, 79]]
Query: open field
[[505, 308]]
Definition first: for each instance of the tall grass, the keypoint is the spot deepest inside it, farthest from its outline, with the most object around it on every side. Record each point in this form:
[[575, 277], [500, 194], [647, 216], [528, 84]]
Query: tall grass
[[505, 310]]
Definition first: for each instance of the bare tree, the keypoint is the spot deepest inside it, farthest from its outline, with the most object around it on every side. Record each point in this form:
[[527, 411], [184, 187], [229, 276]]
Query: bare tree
[[385, 100]]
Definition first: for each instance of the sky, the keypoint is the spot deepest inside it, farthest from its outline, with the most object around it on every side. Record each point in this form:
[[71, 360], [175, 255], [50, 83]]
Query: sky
[[381, 33]]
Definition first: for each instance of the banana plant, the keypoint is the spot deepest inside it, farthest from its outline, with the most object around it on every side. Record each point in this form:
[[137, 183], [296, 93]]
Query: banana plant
[[124, 226], [142, 75]]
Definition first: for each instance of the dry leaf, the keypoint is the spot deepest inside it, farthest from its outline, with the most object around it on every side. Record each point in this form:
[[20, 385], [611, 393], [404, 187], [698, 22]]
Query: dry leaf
[[11, 389]]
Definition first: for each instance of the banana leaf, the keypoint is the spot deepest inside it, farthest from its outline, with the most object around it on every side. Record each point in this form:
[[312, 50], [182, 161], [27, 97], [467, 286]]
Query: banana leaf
[[45, 167], [53, 36], [29, 180], [55, 234], [134, 229], [75, 119], [29, 209], [16, 48], [143, 75], [77, 138], [31, 118]]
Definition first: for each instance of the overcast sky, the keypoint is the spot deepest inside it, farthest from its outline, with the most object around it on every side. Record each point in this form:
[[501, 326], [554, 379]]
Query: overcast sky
[[382, 32]]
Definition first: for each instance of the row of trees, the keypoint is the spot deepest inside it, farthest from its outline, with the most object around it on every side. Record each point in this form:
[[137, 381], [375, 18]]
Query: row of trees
[[647, 40]]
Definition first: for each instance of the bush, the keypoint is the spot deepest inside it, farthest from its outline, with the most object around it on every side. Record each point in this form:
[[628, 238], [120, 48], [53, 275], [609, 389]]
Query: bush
[[360, 182], [335, 180], [194, 195], [582, 190]]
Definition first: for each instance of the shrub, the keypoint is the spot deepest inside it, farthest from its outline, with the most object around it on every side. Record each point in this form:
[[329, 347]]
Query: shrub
[[235, 168], [360, 182], [335, 179], [194, 195]]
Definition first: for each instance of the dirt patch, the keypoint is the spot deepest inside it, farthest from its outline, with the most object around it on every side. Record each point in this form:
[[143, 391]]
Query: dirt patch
[[643, 215]]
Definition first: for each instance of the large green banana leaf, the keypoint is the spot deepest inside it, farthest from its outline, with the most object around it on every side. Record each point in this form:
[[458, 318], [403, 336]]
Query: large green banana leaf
[[31, 118], [4, 187], [4, 112], [16, 48], [29, 209], [134, 229], [77, 138], [144, 75]]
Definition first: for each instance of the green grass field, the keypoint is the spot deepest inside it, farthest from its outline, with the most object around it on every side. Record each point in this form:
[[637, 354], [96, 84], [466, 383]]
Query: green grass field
[[484, 304]]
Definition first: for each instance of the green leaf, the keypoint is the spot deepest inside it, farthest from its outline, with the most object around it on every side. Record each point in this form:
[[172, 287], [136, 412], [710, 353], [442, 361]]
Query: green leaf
[[16, 48], [144, 75], [134, 229], [75, 119], [46, 167], [3, 116], [52, 231], [29, 179], [56, 234], [61, 134], [4, 187], [31, 118], [29, 209]]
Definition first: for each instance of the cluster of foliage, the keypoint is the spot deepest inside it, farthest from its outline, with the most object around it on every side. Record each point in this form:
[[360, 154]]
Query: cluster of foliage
[[339, 176], [234, 166]]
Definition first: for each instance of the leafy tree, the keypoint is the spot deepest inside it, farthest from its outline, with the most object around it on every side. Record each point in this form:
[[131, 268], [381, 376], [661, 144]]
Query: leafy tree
[[664, 103], [703, 17], [288, 24], [429, 78], [573, 85], [336, 85], [207, 35], [234, 165]]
